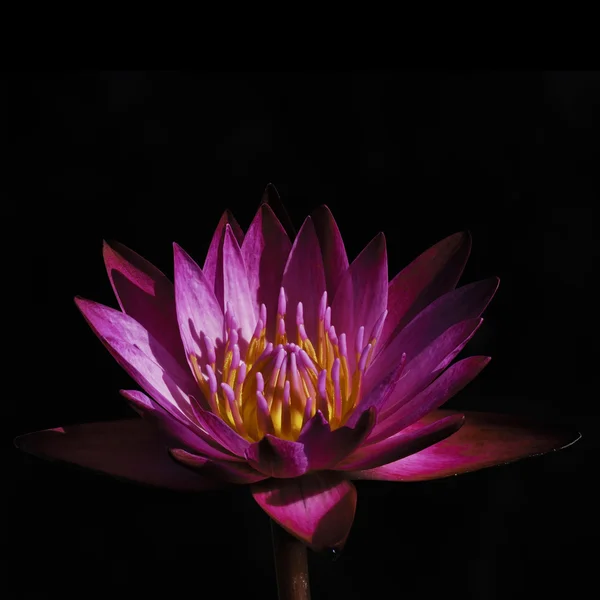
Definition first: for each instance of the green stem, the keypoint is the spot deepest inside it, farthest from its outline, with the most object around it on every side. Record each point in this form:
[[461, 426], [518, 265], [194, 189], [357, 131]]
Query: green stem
[[291, 565]]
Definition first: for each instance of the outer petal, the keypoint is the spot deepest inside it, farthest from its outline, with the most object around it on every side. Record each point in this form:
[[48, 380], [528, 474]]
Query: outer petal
[[448, 384], [239, 473], [278, 458], [144, 293], [220, 431], [402, 444], [486, 440], [235, 286], [271, 197], [318, 508], [198, 311], [175, 430], [325, 448], [429, 276], [335, 259], [467, 302], [129, 449], [304, 280], [361, 296], [265, 251], [107, 322], [213, 263], [421, 371]]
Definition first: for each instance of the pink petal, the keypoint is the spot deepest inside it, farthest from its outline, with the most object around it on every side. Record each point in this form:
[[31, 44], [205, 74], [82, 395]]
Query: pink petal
[[129, 449], [335, 259], [402, 444], [318, 508], [429, 276], [467, 302], [239, 473], [152, 378], [428, 364], [325, 448], [278, 458], [304, 280], [176, 431], [433, 396], [486, 440], [221, 432], [213, 262], [107, 322], [271, 197], [361, 296], [198, 311], [236, 291], [265, 250], [145, 294]]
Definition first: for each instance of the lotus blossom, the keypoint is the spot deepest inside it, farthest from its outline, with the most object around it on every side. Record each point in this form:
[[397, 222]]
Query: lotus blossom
[[280, 365]]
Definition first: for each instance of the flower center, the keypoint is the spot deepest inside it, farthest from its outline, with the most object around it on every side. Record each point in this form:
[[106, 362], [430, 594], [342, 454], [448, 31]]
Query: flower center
[[276, 387]]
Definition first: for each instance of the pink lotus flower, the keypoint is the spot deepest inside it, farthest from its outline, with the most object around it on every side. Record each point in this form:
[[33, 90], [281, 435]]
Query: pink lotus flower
[[280, 365]]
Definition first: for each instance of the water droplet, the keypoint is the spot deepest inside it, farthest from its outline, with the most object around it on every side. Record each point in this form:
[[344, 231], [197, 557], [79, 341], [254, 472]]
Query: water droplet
[[334, 553]]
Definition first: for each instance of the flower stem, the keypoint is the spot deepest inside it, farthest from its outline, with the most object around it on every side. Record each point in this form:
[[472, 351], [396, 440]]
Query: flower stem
[[291, 565]]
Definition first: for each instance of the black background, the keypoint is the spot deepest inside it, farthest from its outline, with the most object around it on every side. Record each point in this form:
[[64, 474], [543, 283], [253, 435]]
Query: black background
[[151, 158]]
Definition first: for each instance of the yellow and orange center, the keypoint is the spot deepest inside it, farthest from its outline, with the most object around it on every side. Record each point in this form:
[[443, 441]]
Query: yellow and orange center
[[262, 387]]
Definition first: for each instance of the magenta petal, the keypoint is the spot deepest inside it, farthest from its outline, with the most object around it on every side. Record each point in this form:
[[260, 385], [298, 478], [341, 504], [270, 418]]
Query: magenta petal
[[428, 364], [278, 458], [197, 308], [402, 444], [448, 384], [467, 302], [221, 432], [361, 296], [265, 250], [236, 291], [145, 294], [213, 261], [486, 440], [429, 276], [325, 448], [107, 322], [152, 379], [185, 434], [239, 473], [317, 508], [129, 449], [271, 197], [335, 259], [304, 280]]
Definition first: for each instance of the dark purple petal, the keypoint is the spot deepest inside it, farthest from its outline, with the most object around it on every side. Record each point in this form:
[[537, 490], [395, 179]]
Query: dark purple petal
[[304, 281], [448, 384], [486, 440], [278, 458], [467, 302], [145, 294], [129, 449], [265, 250], [271, 197], [402, 444], [198, 311], [325, 448], [213, 262], [317, 508], [361, 295], [186, 434], [335, 259], [240, 473], [429, 276]]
